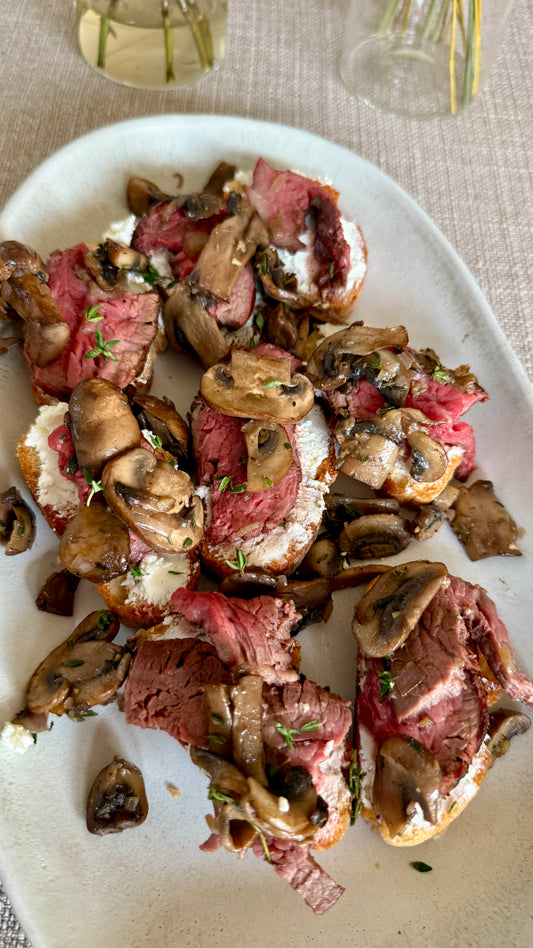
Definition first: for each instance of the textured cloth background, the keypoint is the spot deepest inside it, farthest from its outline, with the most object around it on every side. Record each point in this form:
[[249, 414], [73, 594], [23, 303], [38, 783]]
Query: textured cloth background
[[473, 174]]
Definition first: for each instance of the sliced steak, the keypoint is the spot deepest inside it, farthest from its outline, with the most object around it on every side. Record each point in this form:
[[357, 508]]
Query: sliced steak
[[285, 201], [294, 863], [164, 689], [130, 319], [252, 635], [220, 450]]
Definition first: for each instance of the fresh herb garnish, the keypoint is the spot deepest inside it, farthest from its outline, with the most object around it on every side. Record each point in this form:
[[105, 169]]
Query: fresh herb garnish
[[354, 786], [102, 348], [72, 663], [267, 481], [72, 466], [219, 796], [440, 374], [137, 571], [273, 383], [96, 486], [288, 733], [104, 620], [421, 866], [386, 683], [187, 543], [92, 314], [240, 563], [150, 275], [79, 714]]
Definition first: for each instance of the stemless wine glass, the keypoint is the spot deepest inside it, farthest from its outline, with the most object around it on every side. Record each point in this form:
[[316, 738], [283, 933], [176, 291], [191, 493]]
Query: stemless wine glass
[[152, 44], [421, 58]]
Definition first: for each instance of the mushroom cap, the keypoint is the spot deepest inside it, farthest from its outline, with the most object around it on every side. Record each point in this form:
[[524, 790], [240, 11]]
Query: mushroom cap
[[258, 387], [374, 535], [269, 454], [188, 322], [86, 669], [393, 603], [155, 499], [331, 363], [406, 774], [117, 799], [95, 544], [102, 423]]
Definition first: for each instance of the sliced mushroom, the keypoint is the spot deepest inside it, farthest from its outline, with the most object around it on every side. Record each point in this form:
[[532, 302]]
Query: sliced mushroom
[[323, 559], [109, 264], [24, 290], [117, 799], [374, 535], [482, 523], [331, 363], [282, 326], [230, 246], [17, 523], [96, 544], [430, 517], [393, 603], [428, 457], [365, 452], [155, 500], [189, 325], [341, 508], [247, 731], [142, 195], [503, 726], [160, 416], [407, 776], [220, 719], [101, 422], [258, 387], [87, 669], [223, 173], [56, 595], [269, 454]]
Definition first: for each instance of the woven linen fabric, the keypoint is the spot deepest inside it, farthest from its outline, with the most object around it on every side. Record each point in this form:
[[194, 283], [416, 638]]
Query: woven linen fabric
[[472, 174]]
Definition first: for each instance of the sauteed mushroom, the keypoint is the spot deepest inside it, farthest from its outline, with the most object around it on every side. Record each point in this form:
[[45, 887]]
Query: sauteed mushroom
[[503, 726], [331, 363], [374, 535], [101, 422], [160, 416], [269, 454], [482, 523], [188, 324], [57, 593], [393, 604], [87, 669], [17, 523], [259, 387], [95, 544], [230, 246], [117, 799], [24, 289], [155, 500], [407, 775]]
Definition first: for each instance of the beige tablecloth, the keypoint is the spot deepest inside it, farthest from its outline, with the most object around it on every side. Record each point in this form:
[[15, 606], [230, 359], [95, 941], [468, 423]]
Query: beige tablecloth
[[473, 175]]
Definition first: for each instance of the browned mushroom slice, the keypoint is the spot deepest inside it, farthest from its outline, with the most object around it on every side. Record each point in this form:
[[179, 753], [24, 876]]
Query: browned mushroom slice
[[503, 726], [341, 508], [223, 173], [117, 799], [231, 245], [247, 731], [374, 536], [331, 363], [170, 430], [142, 195], [109, 264], [96, 544], [430, 517], [189, 325], [24, 289], [17, 523], [259, 387], [482, 523], [85, 670], [102, 423], [56, 595], [393, 603], [365, 452], [428, 457], [323, 559], [269, 454], [407, 777], [155, 500]]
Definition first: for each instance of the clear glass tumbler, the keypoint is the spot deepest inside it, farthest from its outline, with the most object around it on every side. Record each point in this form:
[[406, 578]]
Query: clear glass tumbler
[[152, 44], [421, 58]]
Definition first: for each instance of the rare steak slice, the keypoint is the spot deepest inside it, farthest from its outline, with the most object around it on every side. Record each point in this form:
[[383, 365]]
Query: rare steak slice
[[110, 334], [251, 635], [164, 689], [294, 863]]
